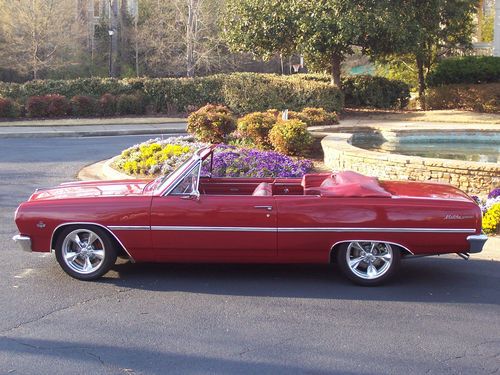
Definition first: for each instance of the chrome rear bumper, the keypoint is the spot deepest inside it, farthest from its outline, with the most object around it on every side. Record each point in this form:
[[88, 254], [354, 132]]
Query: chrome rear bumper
[[23, 241], [476, 242]]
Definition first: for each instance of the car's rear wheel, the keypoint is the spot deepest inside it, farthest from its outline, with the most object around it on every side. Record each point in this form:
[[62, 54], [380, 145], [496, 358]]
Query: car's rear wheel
[[367, 262], [85, 252]]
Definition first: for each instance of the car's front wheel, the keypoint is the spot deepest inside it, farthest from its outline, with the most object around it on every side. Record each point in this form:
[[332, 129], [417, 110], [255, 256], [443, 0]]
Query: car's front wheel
[[86, 252], [367, 262]]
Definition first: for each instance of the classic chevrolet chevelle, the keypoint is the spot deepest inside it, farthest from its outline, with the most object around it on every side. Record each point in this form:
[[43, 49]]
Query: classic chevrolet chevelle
[[364, 225]]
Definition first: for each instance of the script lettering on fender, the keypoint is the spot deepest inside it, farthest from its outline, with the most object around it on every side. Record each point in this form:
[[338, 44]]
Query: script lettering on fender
[[458, 217]]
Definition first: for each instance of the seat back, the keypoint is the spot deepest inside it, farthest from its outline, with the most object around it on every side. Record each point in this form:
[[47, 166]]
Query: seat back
[[264, 189]]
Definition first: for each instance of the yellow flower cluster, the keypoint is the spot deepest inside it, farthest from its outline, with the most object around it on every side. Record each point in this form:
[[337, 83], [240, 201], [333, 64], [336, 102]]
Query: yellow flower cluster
[[150, 155], [491, 219]]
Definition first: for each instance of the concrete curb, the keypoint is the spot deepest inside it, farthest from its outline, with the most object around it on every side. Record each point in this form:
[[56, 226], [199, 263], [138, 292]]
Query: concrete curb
[[102, 170], [113, 174], [90, 133]]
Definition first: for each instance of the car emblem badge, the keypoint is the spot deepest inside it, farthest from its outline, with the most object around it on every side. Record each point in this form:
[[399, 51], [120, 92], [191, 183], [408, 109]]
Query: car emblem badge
[[41, 225]]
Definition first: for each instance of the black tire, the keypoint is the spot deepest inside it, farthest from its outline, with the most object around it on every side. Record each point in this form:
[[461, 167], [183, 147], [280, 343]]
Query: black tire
[[361, 276], [101, 255]]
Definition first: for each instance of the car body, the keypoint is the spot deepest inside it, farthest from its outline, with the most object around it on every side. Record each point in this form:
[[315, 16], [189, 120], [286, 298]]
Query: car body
[[364, 224]]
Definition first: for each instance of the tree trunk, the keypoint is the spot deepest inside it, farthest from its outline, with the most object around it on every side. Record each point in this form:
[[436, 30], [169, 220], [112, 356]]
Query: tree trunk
[[421, 83], [336, 60], [114, 38], [190, 36]]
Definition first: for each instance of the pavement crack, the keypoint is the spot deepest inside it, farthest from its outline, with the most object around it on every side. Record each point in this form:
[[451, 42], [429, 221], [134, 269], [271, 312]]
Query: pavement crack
[[96, 357], [43, 316]]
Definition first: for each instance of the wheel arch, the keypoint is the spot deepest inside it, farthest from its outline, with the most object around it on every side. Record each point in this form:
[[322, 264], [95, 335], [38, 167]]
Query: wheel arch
[[121, 249], [333, 250]]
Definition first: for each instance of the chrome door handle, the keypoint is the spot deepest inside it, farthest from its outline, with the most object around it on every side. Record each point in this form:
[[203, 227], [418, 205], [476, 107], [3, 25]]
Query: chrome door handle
[[269, 208]]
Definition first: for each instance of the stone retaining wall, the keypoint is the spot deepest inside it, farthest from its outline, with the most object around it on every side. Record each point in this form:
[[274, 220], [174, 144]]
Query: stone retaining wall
[[472, 177]]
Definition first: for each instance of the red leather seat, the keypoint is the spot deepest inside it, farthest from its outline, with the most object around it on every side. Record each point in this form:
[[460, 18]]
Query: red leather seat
[[264, 189]]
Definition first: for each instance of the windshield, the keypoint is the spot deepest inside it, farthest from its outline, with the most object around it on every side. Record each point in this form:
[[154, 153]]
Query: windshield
[[162, 182]]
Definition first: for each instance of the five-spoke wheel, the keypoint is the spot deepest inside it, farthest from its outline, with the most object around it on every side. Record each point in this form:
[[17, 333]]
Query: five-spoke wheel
[[85, 252], [368, 262]]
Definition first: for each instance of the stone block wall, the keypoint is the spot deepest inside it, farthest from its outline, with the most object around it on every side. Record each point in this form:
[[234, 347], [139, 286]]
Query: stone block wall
[[471, 177]]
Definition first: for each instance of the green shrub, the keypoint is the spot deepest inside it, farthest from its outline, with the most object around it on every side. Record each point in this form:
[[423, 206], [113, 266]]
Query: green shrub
[[377, 92], [94, 87], [291, 137], [130, 104], [241, 92], [466, 69], [314, 116], [107, 105], [38, 106], [173, 95], [59, 105], [82, 105], [211, 123], [478, 98], [256, 126], [7, 108], [252, 92]]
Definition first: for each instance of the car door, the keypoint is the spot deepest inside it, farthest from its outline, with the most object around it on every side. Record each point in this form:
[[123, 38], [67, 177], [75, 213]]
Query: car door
[[188, 226]]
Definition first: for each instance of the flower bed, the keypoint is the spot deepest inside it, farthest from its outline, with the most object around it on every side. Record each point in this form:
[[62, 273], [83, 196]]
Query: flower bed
[[491, 211], [162, 156], [231, 161]]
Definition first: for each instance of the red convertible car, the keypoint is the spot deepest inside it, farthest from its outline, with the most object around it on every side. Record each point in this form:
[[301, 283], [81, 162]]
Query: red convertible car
[[364, 225]]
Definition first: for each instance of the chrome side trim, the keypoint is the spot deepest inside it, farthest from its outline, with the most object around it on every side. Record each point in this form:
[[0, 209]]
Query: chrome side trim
[[129, 227], [431, 198], [383, 230], [213, 229], [299, 230], [24, 242], [356, 240], [98, 225]]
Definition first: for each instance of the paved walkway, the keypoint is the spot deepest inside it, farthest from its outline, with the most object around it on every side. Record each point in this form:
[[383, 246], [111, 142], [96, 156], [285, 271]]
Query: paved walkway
[[25, 131]]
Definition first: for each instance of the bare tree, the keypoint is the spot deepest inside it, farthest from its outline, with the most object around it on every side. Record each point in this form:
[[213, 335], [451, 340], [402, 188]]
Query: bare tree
[[181, 37], [38, 35]]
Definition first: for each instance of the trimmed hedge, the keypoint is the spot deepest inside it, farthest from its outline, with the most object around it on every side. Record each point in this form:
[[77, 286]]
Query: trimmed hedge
[[7, 108], [82, 105], [467, 69], [480, 98], [241, 92], [377, 92], [368, 91], [251, 92]]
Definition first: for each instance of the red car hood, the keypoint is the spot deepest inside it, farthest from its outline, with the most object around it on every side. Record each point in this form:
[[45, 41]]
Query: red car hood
[[86, 189]]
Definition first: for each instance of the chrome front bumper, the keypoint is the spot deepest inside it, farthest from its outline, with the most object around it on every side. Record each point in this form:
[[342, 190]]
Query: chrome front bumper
[[476, 242], [23, 241]]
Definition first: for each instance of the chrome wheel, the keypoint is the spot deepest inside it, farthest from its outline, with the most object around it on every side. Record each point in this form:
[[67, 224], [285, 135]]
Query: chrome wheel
[[83, 251], [369, 260]]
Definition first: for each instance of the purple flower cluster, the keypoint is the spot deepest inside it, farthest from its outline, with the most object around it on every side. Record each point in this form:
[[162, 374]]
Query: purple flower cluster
[[494, 193], [230, 161]]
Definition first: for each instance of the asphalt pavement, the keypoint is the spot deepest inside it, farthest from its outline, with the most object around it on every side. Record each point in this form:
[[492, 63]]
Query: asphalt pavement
[[440, 315]]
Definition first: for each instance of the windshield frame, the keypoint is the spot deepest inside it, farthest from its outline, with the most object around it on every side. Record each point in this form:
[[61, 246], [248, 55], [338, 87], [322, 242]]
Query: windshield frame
[[168, 182]]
